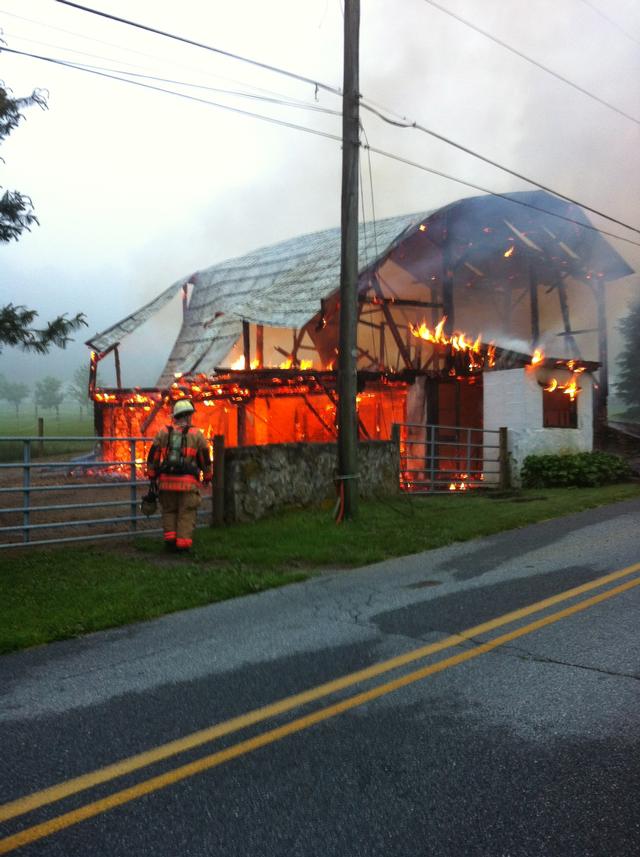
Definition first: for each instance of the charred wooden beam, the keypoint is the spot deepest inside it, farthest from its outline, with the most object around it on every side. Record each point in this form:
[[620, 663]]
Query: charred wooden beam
[[116, 357], [535, 311], [363, 299], [331, 429], [371, 324], [260, 345], [393, 327], [246, 343], [564, 308], [151, 415], [448, 306], [298, 336]]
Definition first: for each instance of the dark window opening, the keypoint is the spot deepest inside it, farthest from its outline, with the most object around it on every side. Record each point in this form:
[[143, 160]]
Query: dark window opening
[[558, 411]]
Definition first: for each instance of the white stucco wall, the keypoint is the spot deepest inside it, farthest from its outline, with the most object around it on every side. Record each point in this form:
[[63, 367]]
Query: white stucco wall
[[513, 398]]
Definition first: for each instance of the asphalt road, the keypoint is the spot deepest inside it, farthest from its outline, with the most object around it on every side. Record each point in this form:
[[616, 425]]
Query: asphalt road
[[517, 738]]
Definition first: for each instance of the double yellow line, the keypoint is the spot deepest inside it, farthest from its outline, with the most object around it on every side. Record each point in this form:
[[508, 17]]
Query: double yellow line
[[133, 763]]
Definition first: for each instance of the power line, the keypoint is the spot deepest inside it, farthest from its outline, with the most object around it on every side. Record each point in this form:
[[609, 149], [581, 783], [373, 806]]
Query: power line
[[319, 133], [496, 193], [407, 123], [184, 95], [366, 104], [525, 57], [130, 50], [317, 84], [611, 21], [285, 102]]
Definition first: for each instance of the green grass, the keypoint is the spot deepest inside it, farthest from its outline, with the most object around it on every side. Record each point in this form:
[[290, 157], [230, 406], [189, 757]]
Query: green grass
[[54, 595], [70, 424], [65, 592], [397, 527]]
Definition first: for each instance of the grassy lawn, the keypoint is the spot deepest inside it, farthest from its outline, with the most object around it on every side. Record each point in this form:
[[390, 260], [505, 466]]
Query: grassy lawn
[[65, 592], [69, 424]]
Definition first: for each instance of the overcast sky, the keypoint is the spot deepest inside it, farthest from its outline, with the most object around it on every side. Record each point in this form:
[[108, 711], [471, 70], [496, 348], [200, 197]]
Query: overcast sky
[[135, 188]]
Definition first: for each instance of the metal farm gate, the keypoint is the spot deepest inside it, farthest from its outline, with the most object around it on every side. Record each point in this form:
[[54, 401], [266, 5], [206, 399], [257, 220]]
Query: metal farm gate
[[437, 459], [43, 499]]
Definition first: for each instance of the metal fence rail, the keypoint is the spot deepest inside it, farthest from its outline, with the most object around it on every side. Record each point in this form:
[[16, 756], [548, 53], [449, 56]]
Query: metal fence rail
[[21, 480], [440, 459]]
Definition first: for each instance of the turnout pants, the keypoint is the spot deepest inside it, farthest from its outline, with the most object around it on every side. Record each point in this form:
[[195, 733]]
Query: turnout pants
[[179, 516]]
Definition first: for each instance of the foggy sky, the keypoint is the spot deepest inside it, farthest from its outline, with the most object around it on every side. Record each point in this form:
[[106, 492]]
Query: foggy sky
[[135, 189]]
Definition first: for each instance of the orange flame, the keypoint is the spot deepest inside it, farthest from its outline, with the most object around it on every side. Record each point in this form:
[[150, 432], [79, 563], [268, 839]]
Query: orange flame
[[570, 389], [508, 253], [538, 357], [458, 341], [239, 363]]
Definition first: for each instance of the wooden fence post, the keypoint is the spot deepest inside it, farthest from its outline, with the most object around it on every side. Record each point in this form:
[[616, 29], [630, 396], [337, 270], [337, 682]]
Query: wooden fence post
[[217, 485], [505, 466], [40, 435]]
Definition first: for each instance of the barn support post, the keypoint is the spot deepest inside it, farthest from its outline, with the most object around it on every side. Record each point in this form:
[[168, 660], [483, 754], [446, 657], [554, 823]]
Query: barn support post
[[260, 346], [381, 347], [566, 320], [448, 306], [217, 484], [402, 349], [602, 391], [535, 310], [116, 357], [246, 344]]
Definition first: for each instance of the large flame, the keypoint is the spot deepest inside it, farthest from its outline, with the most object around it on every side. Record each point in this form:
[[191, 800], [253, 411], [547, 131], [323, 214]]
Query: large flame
[[570, 389], [457, 342]]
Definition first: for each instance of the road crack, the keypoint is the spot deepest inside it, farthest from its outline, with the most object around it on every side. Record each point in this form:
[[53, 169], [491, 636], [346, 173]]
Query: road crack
[[524, 655]]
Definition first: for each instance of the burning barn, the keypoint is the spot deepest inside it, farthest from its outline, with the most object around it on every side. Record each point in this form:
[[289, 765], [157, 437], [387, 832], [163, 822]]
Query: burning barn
[[490, 311]]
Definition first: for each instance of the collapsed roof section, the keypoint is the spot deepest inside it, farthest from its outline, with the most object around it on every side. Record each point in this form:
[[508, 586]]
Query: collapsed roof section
[[467, 243]]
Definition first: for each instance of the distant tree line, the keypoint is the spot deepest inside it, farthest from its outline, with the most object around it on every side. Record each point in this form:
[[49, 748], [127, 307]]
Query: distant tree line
[[49, 393]]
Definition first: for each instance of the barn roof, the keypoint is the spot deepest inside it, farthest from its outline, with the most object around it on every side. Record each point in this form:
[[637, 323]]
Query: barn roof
[[282, 285]]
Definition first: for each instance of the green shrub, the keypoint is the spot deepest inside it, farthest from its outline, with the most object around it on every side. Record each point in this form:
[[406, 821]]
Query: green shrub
[[581, 469]]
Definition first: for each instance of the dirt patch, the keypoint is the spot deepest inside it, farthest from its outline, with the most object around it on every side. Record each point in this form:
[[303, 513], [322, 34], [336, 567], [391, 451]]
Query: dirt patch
[[69, 501]]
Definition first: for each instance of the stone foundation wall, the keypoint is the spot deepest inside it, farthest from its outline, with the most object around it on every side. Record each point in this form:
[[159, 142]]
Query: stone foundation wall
[[261, 480]]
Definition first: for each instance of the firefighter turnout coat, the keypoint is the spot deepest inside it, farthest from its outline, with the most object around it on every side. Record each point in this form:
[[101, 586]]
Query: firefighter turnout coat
[[177, 458]]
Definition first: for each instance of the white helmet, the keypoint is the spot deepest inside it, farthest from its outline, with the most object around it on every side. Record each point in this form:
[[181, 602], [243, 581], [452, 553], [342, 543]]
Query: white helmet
[[183, 407]]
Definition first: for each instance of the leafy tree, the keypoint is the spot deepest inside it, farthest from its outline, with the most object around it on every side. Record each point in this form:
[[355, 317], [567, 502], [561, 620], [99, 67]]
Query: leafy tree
[[78, 389], [49, 394], [14, 393], [628, 385], [16, 215], [16, 329], [16, 209]]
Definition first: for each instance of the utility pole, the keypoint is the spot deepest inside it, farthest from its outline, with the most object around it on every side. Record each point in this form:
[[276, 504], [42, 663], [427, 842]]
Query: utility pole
[[347, 371]]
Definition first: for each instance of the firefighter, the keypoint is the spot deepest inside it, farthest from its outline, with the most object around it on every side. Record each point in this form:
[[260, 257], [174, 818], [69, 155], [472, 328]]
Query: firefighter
[[178, 462]]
